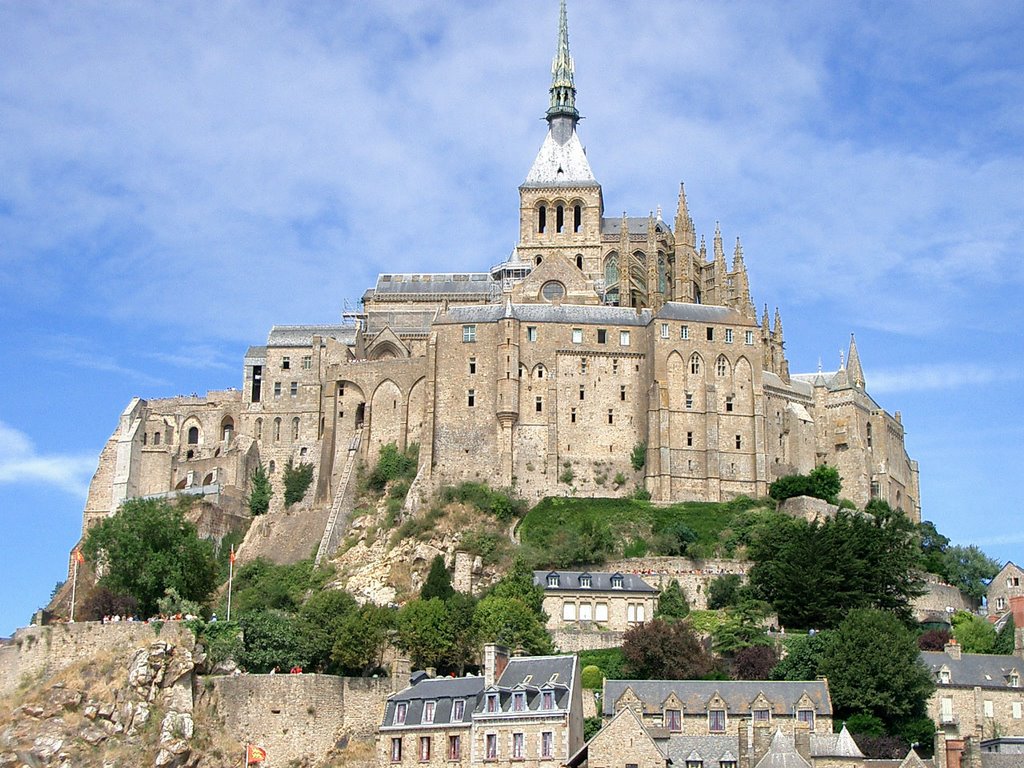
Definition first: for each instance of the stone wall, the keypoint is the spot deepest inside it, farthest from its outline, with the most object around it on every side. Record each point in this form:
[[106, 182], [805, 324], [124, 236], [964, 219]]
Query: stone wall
[[573, 641], [292, 716], [37, 652], [935, 604], [693, 576]]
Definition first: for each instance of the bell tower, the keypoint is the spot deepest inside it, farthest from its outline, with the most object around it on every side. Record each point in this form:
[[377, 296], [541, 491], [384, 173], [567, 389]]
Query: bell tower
[[560, 204]]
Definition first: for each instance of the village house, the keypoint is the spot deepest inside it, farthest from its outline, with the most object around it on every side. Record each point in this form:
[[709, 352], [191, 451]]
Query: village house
[[596, 600]]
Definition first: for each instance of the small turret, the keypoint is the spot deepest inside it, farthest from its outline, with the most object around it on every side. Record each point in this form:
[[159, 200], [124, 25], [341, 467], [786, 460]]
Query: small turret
[[685, 234], [853, 367]]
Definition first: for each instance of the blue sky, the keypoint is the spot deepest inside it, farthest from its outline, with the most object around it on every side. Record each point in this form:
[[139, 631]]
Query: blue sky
[[177, 177]]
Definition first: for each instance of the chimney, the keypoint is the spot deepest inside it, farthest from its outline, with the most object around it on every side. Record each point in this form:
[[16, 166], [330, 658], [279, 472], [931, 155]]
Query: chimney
[[802, 739], [743, 758], [952, 649], [431, 672], [940, 758], [495, 661], [1017, 609], [762, 740]]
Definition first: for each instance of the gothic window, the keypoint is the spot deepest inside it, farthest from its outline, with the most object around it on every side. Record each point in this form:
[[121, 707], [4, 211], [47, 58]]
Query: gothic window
[[695, 364], [295, 429], [227, 429], [538, 259], [611, 269], [156, 438], [662, 274], [721, 366], [277, 429]]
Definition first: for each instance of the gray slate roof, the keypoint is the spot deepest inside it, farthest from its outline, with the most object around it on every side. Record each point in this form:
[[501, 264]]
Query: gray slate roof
[[973, 669], [442, 690], [1001, 760], [702, 313], [302, 335], [533, 675], [738, 694], [835, 745], [560, 163], [578, 314], [434, 283], [400, 322], [798, 383], [782, 754], [599, 581], [255, 355], [637, 225], [711, 748]]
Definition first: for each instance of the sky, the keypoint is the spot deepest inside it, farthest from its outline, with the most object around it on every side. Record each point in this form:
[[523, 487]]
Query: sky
[[175, 178]]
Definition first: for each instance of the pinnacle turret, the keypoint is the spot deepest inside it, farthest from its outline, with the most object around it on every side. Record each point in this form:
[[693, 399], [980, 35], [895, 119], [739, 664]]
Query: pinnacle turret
[[853, 367], [684, 223], [563, 87]]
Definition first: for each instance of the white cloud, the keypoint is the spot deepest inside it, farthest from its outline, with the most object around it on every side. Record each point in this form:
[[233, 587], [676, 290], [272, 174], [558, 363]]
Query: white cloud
[[21, 463], [936, 377]]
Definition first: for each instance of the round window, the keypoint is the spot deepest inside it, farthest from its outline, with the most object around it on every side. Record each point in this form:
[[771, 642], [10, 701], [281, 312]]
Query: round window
[[552, 290]]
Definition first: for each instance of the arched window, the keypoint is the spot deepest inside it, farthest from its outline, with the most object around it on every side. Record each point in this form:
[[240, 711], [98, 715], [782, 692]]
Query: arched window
[[611, 269], [537, 260], [579, 261], [542, 219], [277, 429], [577, 217], [721, 366], [540, 371], [193, 435], [227, 429], [273, 466], [695, 363], [156, 438], [552, 290], [259, 429], [295, 429], [560, 219]]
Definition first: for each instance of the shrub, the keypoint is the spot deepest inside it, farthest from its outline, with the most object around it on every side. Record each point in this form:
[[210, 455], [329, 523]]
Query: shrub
[[297, 478], [641, 494], [592, 678], [260, 491], [498, 502], [638, 456], [567, 476], [392, 464], [822, 483], [724, 591], [931, 640], [620, 480], [635, 548]]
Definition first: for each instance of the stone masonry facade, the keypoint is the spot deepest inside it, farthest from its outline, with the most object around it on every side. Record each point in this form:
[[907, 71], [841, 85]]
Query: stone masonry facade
[[541, 374]]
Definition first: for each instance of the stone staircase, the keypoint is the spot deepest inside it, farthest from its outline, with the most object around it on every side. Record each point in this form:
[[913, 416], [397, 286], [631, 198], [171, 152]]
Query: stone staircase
[[339, 509]]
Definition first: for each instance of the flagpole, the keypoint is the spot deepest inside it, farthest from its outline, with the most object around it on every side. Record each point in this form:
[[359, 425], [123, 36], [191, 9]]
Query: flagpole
[[74, 585]]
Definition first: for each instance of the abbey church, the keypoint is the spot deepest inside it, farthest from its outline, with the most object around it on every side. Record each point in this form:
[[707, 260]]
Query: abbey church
[[599, 341]]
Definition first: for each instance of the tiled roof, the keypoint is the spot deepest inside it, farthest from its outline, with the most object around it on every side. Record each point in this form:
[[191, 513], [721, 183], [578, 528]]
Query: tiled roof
[[974, 669], [702, 313], [835, 745], [737, 694], [434, 283], [444, 691], [599, 581], [710, 748], [533, 675], [782, 754], [256, 353]]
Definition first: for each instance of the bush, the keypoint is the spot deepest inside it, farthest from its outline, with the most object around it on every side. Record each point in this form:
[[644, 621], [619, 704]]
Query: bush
[[297, 478], [592, 678], [102, 602], [724, 591], [620, 480], [638, 457], [822, 483], [260, 491], [591, 725], [608, 660], [499, 503], [392, 464], [931, 640], [641, 494]]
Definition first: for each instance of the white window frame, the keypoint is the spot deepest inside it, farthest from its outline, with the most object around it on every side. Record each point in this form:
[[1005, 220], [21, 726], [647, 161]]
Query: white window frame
[[728, 335], [664, 330], [623, 338], [401, 711], [684, 332], [586, 611], [396, 749], [429, 708], [749, 338], [458, 710], [577, 335], [713, 717], [568, 611], [518, 745], [547, 744], [491, 746], [601, 612], [468, 334]]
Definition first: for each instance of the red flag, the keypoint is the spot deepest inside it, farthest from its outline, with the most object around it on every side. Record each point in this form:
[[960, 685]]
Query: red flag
[[231, 557], [254, 754], [79, 557]]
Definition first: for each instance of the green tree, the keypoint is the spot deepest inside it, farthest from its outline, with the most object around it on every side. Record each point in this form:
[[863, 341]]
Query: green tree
[[439, 581], [319, 621], [271, 639], [513, 623], [391, 465], [462, 622], [742, 627], [638, 457], [260, 491], [518, 584], [755, 662], [933, 548], [672, 604], [659, 650], [804, 658], [724, 591], [813, 573], [873, 667], [361, 639], [1004, 638], [147, 547], [424, 632], [973, 633], [297, 479], [969, 569], [823, 483], [260, 585]]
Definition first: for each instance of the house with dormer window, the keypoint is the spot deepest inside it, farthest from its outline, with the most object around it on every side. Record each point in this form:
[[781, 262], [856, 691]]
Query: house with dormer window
[[713, 707], [595, 600], [525, 709], [976, 694]]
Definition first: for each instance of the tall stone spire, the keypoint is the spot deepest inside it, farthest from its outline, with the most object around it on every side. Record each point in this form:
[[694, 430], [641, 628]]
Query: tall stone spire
[[563, 89], [684, 224], [853, 368]]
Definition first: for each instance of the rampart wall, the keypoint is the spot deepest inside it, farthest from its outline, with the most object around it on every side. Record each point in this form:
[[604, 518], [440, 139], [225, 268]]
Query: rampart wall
[[693, 576]]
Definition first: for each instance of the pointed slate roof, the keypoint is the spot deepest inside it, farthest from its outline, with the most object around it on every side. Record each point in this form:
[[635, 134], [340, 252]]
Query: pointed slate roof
[[782, 754]]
